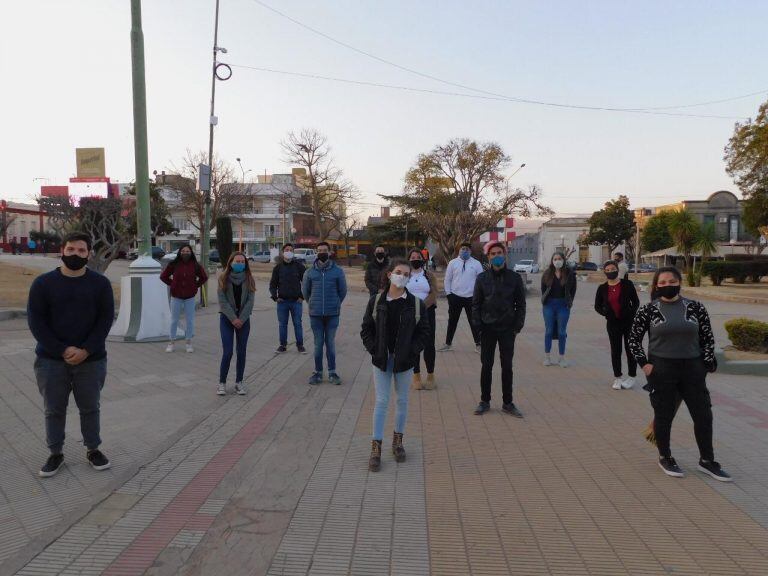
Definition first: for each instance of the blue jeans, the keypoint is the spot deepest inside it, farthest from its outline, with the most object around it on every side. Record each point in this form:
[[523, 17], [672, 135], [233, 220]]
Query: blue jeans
[[294, 309], [55, 380], [324, 331], [383, 382], [556, 315], [188, 304], [228, 335]]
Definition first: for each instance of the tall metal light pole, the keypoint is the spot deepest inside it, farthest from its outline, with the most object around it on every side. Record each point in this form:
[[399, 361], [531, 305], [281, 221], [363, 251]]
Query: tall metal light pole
[[141, 161], [144, 312], [212, 121]]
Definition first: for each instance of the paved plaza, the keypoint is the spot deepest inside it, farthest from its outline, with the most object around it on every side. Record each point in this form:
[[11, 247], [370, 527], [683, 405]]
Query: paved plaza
[[276, 482]]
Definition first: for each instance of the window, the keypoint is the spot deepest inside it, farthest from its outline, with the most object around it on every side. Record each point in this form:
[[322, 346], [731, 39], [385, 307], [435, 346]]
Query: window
[[180, 224]]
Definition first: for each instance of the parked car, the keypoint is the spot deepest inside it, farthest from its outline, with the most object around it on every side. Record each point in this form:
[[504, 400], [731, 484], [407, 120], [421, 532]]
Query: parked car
[[157, 253], [587, 266], [527, 266], [265, 257], [306, 256], [648, 268]]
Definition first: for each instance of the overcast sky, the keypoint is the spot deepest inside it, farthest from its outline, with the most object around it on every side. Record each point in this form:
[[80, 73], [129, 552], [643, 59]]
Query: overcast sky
[[66, 83]]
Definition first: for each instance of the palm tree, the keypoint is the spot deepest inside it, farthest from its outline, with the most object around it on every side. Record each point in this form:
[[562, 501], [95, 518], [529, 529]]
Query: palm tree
[[707, 241], [685, 231]]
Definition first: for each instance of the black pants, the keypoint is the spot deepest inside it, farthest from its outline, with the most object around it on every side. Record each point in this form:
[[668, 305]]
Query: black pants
[[506, 342], [429, 345], [618, 332], [455, 306], [687, 379]]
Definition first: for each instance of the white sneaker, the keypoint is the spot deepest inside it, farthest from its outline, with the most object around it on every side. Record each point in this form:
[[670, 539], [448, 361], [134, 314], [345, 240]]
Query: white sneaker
[[563, 363], [616, 384], [169, 348], [547, 360], [190, 349], [221, 389], [445, 348], [628, 383], [240, 388]]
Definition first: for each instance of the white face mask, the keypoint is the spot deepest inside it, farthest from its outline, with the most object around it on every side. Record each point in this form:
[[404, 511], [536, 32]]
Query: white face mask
[[557, 264], [399, 280], [288, 255]]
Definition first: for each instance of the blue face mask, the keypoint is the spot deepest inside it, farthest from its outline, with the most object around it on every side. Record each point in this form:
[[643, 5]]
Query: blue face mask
[[238, 267], [498, 261], [465, 254]]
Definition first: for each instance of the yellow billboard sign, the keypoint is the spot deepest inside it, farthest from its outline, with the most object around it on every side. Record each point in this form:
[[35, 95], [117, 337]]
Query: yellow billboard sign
[[90, 163]]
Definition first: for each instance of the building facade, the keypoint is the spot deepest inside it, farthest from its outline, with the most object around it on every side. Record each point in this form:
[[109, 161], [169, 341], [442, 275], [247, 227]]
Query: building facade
[[524, 247], [566, 235], [18, 221]]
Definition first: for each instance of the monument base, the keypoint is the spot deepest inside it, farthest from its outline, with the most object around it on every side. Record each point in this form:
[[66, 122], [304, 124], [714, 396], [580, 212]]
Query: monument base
[[145, 315]]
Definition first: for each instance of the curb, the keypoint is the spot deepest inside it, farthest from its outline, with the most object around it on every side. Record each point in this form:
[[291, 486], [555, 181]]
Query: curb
[[12, 314], [740, 367]]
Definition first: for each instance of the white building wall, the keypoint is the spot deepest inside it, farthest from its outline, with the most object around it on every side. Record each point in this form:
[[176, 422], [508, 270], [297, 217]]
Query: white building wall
[[553, 238]]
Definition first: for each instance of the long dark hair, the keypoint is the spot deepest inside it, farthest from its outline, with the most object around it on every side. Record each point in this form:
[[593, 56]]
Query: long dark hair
[[178, 255], [250, 282], [550, 272], [663, 270]]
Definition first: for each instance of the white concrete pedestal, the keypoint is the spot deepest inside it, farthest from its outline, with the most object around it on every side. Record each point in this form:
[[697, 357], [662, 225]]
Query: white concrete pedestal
[[145, 315]]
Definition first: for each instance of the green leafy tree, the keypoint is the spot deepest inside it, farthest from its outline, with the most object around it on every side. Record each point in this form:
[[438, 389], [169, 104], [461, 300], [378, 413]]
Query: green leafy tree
[[159, 214], [459, 190], [706, 243], [655, 235], [755, 215], [392, 233], [685, 231], [613, 225], [746, 155], [224, 238]]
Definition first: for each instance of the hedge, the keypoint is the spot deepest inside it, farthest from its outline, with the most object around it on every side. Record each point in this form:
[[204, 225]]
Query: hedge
[[746, 334], [745, 257], [739, 271]]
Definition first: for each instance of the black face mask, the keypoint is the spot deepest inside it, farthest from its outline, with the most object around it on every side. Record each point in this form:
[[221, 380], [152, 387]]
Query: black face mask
[[186, 257], [612, 275], [74, 262], [417, 264], [668, 292], [380, 256], [323, 257]]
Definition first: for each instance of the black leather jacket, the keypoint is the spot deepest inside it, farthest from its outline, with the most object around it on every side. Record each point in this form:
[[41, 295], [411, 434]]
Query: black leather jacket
[[499, 301], [286, 280]]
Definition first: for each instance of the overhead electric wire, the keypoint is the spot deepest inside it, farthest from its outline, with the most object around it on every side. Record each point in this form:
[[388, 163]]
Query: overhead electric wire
[[486, 92], [460, 94]]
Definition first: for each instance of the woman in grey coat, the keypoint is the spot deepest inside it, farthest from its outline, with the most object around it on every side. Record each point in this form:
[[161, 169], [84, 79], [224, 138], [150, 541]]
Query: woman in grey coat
[[236, 296]]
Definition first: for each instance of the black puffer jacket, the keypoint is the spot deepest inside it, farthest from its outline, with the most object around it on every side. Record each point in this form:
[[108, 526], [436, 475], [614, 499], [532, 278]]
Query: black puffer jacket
[[373, 275], [499, 301], [286, 280], [410, 336]]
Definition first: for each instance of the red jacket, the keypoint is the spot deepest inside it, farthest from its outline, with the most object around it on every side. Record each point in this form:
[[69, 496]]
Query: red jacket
[[184, 278]]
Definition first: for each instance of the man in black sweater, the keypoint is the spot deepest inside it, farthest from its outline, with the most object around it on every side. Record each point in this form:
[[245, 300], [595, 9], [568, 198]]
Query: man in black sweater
[[285, 289], [376, 269], [70, 312], [498, 312]]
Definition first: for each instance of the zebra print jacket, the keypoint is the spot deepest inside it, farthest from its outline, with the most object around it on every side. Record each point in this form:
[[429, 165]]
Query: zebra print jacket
[[650, 315]]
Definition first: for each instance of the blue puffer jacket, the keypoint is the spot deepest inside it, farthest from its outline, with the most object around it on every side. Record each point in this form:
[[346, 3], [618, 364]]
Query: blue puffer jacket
[[324, 289]]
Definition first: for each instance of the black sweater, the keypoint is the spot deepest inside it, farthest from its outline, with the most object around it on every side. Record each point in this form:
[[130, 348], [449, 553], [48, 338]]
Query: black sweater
[[286, 280], [64, 311], [628, 300]]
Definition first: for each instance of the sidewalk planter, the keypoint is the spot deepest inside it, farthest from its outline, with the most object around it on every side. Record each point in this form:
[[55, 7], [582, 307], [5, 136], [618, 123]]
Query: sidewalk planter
[[748, 335], [752, 367]]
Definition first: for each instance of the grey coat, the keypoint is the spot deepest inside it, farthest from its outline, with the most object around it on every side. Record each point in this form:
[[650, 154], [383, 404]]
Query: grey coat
[[227, 303]]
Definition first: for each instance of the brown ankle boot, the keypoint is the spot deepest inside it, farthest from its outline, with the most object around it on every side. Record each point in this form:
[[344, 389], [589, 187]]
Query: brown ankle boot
[[431, 384], [374, 462], [397, 447], [417, 384]]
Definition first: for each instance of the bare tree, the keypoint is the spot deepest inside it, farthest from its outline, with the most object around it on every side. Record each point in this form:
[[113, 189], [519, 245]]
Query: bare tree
[[326, 190], [347, 226], [227, 198], [459, 190], [5, 222]]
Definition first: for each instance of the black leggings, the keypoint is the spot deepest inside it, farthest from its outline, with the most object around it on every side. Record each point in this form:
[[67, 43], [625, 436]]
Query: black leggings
[[670, 380], [429, 345], [618, 332]]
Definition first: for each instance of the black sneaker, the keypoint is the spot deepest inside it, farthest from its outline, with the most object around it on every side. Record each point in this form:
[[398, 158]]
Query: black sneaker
[[300, 349], [316, 378], [281, 349], [482, 408], [512, 410], [713, 469], [670, 467], [51, 466], [98, 460], [333, 378]]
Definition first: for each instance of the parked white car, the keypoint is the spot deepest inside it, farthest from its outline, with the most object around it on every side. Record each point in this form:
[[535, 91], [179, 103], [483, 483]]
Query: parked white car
[[264, 257], [306, 256], [527, 266]]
